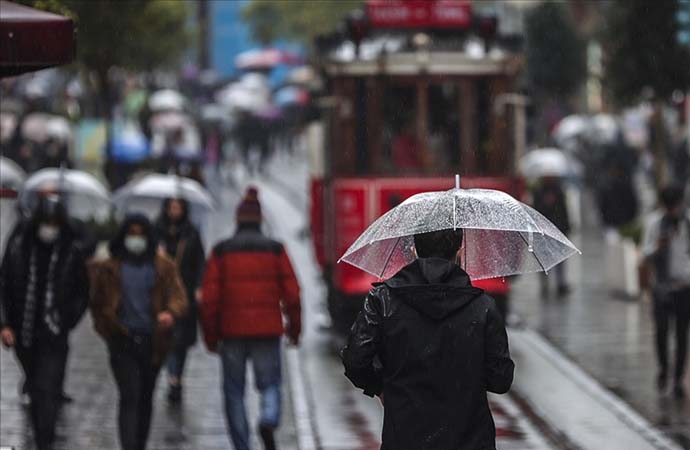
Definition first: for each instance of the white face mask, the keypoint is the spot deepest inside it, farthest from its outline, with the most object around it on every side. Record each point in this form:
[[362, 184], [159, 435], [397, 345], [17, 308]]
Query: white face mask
[[48, 233], [136, 244]]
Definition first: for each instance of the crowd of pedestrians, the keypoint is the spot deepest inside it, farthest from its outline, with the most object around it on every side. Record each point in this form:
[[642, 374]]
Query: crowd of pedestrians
[[145, 299]]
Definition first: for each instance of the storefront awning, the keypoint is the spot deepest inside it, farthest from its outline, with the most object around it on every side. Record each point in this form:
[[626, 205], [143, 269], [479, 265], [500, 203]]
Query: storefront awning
[[31, 39]]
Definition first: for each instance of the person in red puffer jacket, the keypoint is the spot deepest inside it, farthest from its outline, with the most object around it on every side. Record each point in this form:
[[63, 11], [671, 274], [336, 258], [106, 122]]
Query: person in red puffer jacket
[[248, 285]]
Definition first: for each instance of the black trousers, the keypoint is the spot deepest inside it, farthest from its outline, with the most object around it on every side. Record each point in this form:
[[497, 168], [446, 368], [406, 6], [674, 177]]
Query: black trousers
[[44, 367], [131, 362], [676, 305]]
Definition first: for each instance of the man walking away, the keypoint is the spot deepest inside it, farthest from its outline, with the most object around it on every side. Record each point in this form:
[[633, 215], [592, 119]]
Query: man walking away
[[248, 282], [430, 346], [43, 294], [666, 247]]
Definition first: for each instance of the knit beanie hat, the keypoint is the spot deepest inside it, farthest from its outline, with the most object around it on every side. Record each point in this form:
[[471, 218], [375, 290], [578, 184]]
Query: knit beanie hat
[[249, 211]]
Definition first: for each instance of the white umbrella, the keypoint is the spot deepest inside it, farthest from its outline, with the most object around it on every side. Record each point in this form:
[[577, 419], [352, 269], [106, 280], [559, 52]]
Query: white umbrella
[[604, 129], [8, 125], [11, 175], [34, 127], [166, 100], [59, 128], [502, 236], [158, 186], [545, 162], [84, 195], [570, 127]]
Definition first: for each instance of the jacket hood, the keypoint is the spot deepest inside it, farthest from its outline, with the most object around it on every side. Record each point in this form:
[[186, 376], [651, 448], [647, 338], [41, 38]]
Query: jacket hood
[[435, 287], [117, 245]]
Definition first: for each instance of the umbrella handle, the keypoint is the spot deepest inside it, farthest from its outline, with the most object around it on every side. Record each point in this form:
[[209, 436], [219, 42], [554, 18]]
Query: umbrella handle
[[457, 181]]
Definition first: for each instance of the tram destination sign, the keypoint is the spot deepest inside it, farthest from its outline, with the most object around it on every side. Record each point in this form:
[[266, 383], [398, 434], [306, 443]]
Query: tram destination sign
[[419, 13]]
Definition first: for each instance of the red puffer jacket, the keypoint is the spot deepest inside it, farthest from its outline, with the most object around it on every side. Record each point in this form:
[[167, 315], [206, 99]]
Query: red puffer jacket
[[248, 283]]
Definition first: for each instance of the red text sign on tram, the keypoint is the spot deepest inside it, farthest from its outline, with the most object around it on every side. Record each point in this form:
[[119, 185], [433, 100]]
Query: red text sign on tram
[[419, 13]]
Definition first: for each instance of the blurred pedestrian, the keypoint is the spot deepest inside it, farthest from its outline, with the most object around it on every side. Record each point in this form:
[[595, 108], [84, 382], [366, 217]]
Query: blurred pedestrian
[[666, 247], [431, 345], [182, 243], [43, 295], [136, 299], [618, 203], [549, 199], [248, 283]]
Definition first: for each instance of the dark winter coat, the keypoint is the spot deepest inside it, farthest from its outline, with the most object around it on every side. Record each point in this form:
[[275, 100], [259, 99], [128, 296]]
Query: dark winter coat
[[549, 199], [248, 284], [433, 346], [185, 248], [71, 284], [106, 294]]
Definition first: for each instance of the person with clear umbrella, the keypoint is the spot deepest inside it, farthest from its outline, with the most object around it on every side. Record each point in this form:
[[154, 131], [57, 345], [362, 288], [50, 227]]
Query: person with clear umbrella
[[43, 295], [180, 240], [427, 342]]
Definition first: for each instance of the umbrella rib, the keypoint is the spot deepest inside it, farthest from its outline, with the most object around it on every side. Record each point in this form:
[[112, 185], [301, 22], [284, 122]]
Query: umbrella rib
[[534, 253], [390, 255]]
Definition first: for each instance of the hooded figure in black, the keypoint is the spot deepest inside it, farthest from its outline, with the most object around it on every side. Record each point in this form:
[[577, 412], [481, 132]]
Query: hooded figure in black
[[44, 291], [182, 243], [431, 346]]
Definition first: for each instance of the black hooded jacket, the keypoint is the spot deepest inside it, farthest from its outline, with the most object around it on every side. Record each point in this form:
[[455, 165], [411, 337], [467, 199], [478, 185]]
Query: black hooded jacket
[[71, 278], [433, 346]]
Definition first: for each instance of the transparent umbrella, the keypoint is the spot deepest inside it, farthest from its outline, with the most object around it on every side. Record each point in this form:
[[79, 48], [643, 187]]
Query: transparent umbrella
[[11, 175], [83, 193], [544, 162], [502, 236], [158, 186]]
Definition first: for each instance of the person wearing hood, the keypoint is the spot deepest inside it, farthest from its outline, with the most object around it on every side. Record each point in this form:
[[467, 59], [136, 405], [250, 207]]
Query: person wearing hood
[[248, 285], [43, 294], [182, 243], [137, 297], [431, 346]]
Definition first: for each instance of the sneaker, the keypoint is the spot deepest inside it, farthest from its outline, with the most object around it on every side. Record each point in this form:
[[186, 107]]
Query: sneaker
[[175, 394], [266, 433]]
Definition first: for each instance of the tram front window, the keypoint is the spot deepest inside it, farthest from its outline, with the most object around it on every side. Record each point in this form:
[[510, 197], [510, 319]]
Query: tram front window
[[416, 140]]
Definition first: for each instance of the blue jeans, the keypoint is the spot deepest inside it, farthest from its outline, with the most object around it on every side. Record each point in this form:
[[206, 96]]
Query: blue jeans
[[264, 354]]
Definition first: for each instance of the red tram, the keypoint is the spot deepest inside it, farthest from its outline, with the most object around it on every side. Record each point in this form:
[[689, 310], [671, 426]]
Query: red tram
[[413, 102]]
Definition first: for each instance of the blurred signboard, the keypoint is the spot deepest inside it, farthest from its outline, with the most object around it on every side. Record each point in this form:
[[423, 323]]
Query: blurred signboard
[[419, 13]]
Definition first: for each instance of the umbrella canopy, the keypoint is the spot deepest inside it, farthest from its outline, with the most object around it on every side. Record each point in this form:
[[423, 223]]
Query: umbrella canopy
[[84, 195], [31, 39], [604, 129], [167, 100], [34, 127], [11, 175], [261, 59], [160, 186], [130, 146], [544, 162], [291, 96], [176, 133], [502, 235], [8, 125], [570, 127]]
